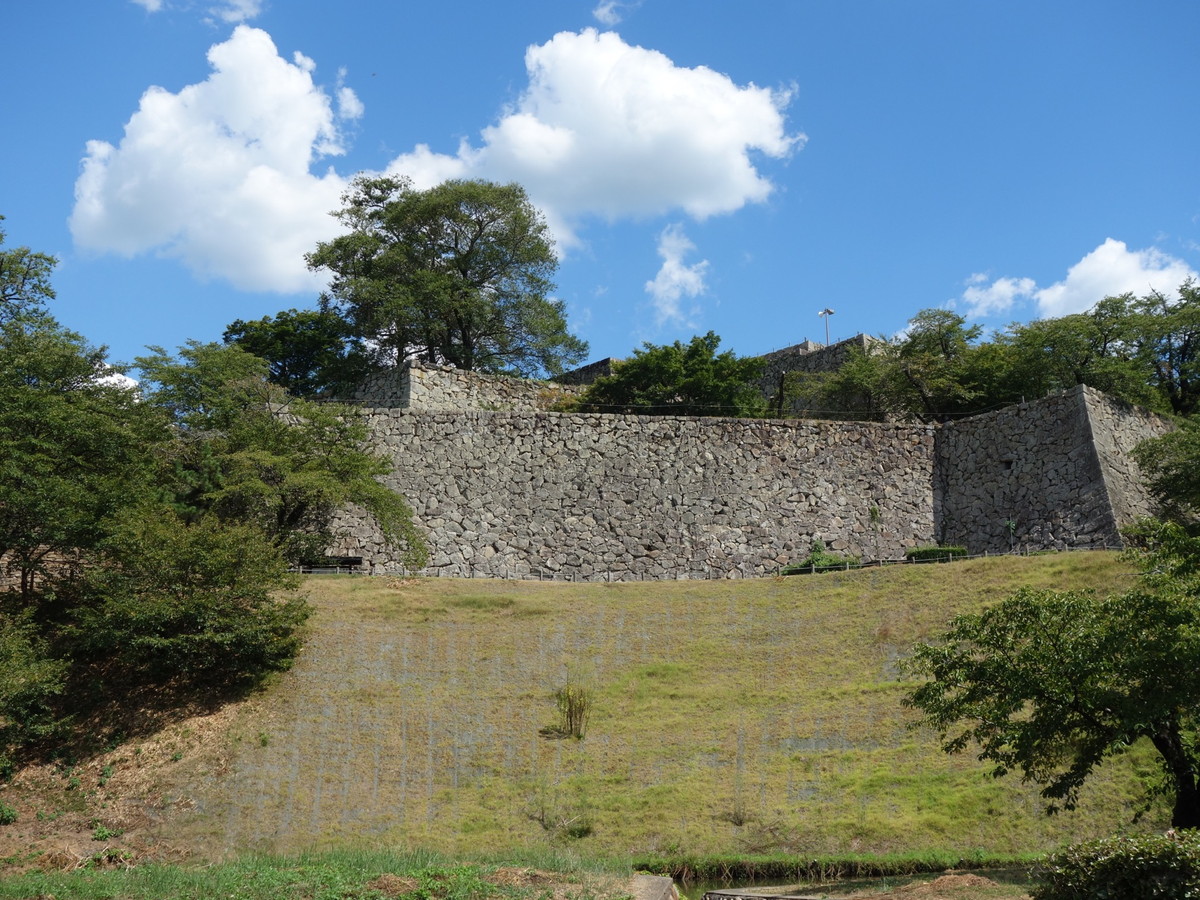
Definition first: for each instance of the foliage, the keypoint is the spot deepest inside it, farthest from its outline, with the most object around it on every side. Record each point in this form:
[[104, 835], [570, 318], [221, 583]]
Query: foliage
[[678, 379], [819, 559], [245, 453], [73, 445], [150, 528], [574, 703], [309, 353], [1144, 350], [24, 280], [8, 815], [197, 602], [934, 552], [1171, 464], [1052, 683], [1137, 867], [459, 275]]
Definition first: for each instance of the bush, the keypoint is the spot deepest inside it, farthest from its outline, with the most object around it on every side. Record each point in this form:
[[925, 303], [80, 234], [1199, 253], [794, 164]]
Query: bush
[[8, 815], [934, 552], [819, 559], [1131, 868]]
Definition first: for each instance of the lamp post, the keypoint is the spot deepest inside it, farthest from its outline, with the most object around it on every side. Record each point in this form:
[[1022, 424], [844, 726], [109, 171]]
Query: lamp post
[[825, 314]]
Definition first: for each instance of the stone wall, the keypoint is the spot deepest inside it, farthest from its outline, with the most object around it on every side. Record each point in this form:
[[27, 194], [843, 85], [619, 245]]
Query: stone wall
[[1053, 473], [600, 497], [424, 386], [504, 490], [806, 357]]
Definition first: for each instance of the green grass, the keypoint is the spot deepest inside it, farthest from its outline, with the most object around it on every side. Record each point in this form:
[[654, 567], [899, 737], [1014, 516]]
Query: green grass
[[316, 876], [732, 718]]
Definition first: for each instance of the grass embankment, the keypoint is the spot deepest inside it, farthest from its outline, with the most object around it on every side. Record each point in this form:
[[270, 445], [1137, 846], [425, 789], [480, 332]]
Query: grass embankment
[[729, 719]]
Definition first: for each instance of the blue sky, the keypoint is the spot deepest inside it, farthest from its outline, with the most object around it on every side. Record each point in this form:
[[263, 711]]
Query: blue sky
[[704, 164]]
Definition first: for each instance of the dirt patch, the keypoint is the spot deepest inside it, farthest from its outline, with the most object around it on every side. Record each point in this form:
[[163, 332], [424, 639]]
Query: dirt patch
[[949, 887], [392, 885]]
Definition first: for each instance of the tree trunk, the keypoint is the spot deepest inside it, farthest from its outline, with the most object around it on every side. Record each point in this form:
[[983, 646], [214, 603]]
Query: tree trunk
[[1182, 767]]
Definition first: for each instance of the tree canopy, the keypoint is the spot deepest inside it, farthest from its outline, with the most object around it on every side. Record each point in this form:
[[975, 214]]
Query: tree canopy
[[1144, 350], [459, 274], [1052, 683], [690, 379], [147, 530], [309, 353]]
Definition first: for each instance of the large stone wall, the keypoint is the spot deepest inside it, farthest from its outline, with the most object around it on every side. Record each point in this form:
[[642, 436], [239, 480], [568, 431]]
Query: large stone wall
[[504, 490], [600, 497], [1054, 473]]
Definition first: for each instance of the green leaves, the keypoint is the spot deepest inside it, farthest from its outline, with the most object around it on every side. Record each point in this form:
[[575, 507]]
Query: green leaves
[[457, 275], [679, 379], [1051, 683]]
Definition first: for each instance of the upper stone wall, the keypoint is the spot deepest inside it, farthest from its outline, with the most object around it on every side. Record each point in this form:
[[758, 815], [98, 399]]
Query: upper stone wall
[[601, 497], [805, 357], [423, 386]]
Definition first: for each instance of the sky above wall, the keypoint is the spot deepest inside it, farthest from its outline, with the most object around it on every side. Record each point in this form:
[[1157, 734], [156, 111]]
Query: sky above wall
[[703, 164]]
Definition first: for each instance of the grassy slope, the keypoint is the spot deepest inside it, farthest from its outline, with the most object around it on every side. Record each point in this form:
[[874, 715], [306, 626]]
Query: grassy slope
[[729, 717]]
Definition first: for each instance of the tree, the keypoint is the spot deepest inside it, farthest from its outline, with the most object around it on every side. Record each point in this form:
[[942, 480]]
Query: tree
[[680, 380], [24, 279], [1052, 683], [458, 275], [73, 445], [309, 353], [245, 453], [1168, 342], [1171, 464]]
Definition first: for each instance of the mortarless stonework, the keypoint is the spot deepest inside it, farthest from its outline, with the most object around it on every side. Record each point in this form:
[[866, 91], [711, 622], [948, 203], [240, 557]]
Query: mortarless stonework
[[505, 490], [1057, 469]]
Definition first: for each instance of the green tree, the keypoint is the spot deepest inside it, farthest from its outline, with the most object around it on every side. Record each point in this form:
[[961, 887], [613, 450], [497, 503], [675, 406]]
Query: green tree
[[1168, 342], [24, 279], [1171, 464], [458, 274], [309, 353], [680, 379], [246, 453], [1052, 683], [73, 441]]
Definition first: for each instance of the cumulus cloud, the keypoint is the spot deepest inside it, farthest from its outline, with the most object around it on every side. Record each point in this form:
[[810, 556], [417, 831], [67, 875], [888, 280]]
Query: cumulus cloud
[[675, 279], [219, 174], [612, 130], [1108, 271], [983, 299]]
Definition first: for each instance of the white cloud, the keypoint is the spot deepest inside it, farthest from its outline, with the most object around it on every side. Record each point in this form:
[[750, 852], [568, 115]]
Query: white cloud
[[218, 174], [984, 299], [236, 11], [609, 12], [675, 279], [612, 130], [1109, 270], [150, 5]]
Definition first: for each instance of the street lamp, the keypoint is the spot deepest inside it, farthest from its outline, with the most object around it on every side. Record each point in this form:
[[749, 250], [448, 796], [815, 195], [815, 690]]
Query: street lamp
[[825, 314]]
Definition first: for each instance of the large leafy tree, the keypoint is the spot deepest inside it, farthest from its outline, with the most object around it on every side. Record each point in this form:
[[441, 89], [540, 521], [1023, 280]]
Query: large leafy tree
[[246, 453], [309, 353], [1052, 683], [459, 274], [690, 379]]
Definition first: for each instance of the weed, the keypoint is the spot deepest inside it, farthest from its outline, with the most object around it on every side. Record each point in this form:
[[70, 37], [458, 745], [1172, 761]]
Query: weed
[[104, 833], [8, 814]]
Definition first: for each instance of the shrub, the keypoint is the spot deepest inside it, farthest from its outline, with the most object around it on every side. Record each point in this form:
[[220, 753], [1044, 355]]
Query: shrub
[[934, 552], [574, 708], [1132, 868], [819, 559], [8, 815]]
